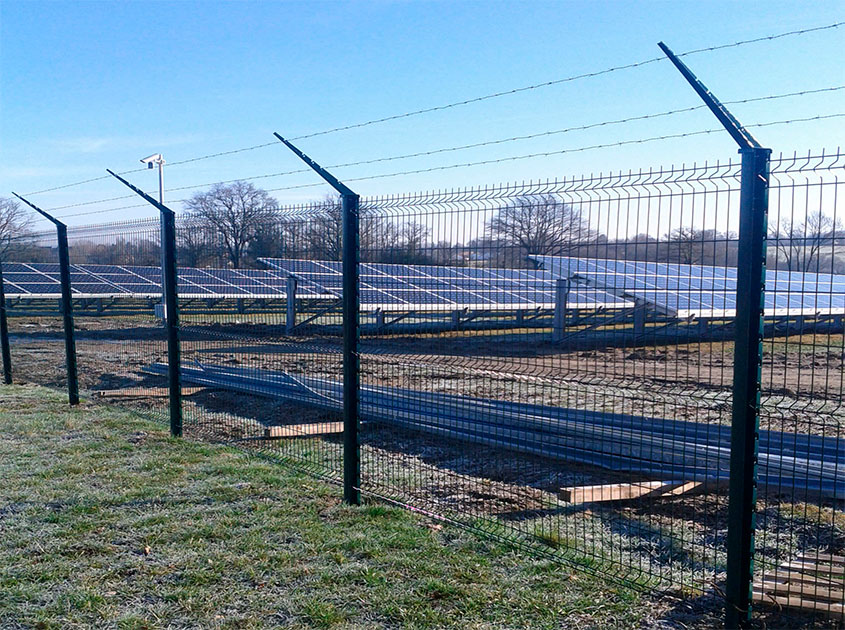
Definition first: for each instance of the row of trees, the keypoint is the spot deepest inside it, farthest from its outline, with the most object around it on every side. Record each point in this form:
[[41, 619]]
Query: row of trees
[[236, 224]]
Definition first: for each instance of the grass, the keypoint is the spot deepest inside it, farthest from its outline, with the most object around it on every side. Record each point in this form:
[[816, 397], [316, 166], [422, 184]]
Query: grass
[[105, 521]]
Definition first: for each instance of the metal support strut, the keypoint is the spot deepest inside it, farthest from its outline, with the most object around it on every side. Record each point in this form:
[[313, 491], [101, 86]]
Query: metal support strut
[[171, 306], [290, 305], [562, 288], [351, 314], [67, 302], [748, 354]]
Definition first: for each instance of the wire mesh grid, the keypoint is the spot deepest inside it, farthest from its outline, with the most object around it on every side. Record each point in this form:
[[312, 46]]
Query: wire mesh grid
[[116, 277], [565, 389], [266, 386], [800, 544], [35, 326]]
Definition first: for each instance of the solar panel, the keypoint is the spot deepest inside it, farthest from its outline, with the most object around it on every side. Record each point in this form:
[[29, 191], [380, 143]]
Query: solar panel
[[395, 287], [41, 280], [701, 290]]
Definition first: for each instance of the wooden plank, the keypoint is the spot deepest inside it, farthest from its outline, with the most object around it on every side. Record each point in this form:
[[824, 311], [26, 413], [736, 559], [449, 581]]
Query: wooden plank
[[626, 491], [799, 603], [814, 567], [303, 430], [807, 590], [796, 577], [822, 557], [148, 392]]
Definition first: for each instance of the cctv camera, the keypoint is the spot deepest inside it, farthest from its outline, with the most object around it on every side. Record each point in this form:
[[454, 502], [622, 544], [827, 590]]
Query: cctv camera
[[153, 159]]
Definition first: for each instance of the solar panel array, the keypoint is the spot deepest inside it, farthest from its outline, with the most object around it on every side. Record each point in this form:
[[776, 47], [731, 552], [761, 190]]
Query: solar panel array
[[41, 280], [392, 287], [699, 290], [673, 288]]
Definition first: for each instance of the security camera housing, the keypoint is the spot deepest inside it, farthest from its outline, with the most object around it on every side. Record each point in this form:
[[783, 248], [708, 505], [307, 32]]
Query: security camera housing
[[153, 159]]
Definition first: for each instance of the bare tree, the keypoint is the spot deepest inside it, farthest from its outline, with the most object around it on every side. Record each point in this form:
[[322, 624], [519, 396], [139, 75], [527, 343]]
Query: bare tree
[[15, 224], [448, 253], [539, 224], [235, 214], [413, 243], [196, 248], [324, 237], [799, 244], [685, 245], [294, 230], [121, 251], [271, 241], [378, 235], [691, 246]]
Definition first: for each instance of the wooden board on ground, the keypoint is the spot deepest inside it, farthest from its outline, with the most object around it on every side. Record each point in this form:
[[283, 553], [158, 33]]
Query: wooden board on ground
[[811, 582], [628, 491], [146, 392], [303, 430]]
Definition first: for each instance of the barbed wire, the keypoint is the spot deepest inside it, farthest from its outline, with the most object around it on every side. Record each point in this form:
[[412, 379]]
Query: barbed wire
[[576, 128], [562, 151], [576, 77], [473, 145], [79, 183], [477, 99], [222, 153], [620, 143]]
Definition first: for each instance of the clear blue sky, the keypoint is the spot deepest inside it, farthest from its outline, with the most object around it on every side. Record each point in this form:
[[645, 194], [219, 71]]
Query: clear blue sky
[[90, 85]]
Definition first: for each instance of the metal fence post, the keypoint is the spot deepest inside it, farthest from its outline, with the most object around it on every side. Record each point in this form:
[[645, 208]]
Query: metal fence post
[[4, 334], [67, 302], [67, 315], [351, 361], [748, 358], [171, 317], [171, 305], [351, 314]]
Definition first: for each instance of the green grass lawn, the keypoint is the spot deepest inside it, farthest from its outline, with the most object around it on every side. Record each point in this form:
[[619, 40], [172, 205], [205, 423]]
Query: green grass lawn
[[105, 521]]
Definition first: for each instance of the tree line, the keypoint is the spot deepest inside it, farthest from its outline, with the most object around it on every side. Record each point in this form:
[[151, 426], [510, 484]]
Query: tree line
[[236, 224]]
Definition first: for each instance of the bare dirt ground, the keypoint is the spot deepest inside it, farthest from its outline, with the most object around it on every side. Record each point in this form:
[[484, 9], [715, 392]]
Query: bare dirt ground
[[811, 365]]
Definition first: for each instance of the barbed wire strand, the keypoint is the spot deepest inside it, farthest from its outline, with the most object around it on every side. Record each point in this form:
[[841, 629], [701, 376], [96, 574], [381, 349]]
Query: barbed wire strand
[[562, 151], [576, 77], [477, 99], [503, 159], [468, 146]]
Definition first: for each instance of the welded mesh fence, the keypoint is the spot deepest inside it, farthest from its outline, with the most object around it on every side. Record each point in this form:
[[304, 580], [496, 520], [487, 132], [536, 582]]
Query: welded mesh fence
[[567, 388], [800, 555], [118, 337], [35, 324], [266, 375], [548, 363]]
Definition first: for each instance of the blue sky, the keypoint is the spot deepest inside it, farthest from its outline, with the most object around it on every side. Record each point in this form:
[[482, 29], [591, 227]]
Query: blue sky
[[90, 85]]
